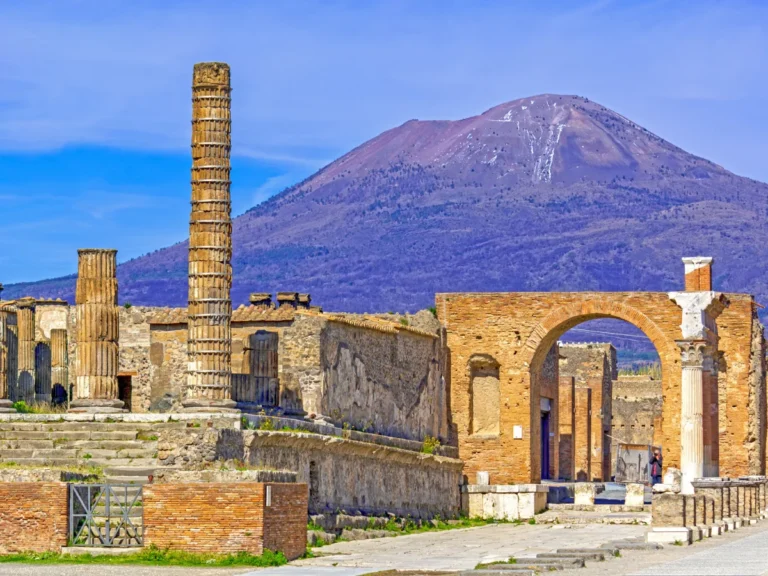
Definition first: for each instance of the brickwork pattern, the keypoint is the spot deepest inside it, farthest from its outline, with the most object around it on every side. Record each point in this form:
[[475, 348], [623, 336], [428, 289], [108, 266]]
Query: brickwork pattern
[[567, 417], [33, 516], [518, 329], [225, 518]]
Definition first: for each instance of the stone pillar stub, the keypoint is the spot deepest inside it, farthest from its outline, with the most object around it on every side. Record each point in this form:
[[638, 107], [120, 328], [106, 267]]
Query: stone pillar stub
[[59, 361], [25, 380], [209, 341], [6, 315], [97, 333]]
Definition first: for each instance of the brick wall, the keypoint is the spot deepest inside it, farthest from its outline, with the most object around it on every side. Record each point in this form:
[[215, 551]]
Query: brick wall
[[226, 518], [285, 521], [33, 516]]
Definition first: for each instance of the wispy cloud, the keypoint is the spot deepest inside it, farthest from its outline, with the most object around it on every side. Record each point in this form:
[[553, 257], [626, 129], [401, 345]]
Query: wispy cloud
[[328, 76]]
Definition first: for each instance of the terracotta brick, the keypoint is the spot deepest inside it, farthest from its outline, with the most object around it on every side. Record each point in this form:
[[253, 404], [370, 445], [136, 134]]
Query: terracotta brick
[[226, 518], [33, 516]]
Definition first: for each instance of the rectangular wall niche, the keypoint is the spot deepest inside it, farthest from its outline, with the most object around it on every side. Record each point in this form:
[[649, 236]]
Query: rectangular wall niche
[[485, 396]]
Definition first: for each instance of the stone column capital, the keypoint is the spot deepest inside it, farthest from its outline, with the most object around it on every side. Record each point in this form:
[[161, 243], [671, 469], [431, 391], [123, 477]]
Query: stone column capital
[[700, 309], [695, 353]]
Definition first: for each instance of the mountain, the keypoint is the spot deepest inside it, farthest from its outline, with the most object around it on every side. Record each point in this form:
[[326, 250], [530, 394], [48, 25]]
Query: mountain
[[543, 193]]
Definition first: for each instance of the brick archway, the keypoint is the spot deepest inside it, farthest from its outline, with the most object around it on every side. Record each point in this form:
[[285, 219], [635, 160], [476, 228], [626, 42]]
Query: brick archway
[[566, 317], [562, 319]]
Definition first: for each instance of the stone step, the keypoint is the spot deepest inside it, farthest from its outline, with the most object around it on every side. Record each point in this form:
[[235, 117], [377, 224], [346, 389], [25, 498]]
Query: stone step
[[126, 462], [620, 546], [496, 572], [12, 455], [136, 480], [566, 563], [112, 444], [42, 462], [591, 556], [25, 444], [603, 550]]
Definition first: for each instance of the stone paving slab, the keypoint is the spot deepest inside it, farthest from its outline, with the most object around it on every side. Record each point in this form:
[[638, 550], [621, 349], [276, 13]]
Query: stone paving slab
[[746, 556], [463, 549]]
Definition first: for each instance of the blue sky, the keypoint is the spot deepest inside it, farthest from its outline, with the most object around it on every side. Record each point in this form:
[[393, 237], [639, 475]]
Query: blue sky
[[95, 99]]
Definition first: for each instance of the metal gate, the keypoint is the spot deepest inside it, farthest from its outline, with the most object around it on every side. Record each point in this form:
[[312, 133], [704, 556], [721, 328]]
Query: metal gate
[[106, 515]]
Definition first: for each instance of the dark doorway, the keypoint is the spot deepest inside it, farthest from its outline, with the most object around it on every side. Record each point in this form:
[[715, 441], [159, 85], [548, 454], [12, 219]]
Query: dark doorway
[[58, 395], [545, 445], [124, 391]]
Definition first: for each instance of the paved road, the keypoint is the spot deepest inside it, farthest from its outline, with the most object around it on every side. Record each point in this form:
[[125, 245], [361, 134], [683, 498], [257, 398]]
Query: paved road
[[743, 553], [464, 549]]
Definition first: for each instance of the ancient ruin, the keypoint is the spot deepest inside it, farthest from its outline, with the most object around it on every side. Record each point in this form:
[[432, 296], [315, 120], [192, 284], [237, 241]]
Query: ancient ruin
[[209, 381], [98, 332], [475, 408]]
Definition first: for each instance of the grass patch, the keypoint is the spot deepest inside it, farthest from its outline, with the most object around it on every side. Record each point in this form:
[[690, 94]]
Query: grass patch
[[22, 407], [84, 469], [153, 556], [430, 445], [145, 436], [409, 526]]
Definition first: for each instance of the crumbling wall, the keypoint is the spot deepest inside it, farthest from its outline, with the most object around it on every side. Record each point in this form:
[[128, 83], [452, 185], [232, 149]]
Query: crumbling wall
[[384, 381], [636, 409], [757, 399]]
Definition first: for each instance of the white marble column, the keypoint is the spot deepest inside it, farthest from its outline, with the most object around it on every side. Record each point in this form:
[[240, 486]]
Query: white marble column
[[694, 353]]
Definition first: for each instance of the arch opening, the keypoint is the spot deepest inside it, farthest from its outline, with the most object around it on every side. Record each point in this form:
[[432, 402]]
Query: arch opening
[[575, 434]]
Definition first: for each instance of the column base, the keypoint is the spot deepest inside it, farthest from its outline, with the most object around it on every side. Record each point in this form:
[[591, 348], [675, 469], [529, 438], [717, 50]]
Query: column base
[[6, 407], [94, 406], [206, 405]]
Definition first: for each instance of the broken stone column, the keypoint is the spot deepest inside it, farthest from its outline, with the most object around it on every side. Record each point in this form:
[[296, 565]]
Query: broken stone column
[[43, 372], [209, 377], [584, 494], [97, 333], [59, 365], [25, 381], [6, 314]]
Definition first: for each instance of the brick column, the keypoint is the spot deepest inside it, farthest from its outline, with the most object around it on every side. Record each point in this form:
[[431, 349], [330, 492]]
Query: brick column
[[97, 333], [59, 361], [692, 422], [25, 382], [6, 313], [209, 379]]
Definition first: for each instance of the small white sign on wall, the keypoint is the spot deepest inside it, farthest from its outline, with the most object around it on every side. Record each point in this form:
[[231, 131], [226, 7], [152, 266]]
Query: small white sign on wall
[[517, 432]]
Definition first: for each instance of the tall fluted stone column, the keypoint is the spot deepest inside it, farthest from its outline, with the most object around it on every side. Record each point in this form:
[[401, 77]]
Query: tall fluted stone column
[[694, 354], [209, 378], [59, 365], [25, 382], [97, 333], [6, 313]]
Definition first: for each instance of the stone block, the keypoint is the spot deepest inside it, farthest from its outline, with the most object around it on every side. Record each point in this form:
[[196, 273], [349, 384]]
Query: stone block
[[670, 535], [584, 494], [670, 510], [635, 495], [483, 479]]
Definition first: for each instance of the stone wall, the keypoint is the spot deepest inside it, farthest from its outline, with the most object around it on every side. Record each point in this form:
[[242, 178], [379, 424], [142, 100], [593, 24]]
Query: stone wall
[[33, 516], [366, 374], [390, 383], [225, 518], [549, 385], [636, 410], [593, 365], [343, 474], [361, 478]]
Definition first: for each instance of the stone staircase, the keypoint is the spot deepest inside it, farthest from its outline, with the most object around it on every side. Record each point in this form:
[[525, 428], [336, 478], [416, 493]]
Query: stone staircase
[[126, 451]]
